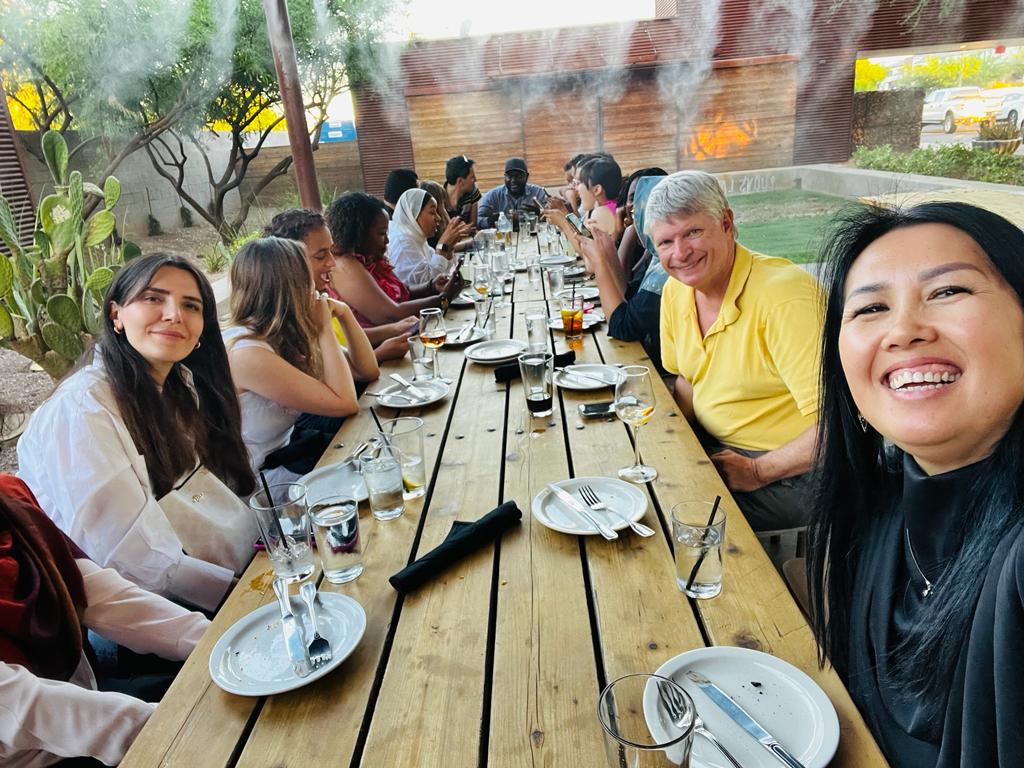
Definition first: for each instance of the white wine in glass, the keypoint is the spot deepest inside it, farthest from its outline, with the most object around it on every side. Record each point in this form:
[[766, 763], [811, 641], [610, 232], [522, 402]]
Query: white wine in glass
[[433, 334], [634, 404]]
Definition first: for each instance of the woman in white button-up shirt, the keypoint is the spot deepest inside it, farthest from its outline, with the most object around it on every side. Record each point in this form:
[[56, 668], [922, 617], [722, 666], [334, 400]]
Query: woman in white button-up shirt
[[122, 431]]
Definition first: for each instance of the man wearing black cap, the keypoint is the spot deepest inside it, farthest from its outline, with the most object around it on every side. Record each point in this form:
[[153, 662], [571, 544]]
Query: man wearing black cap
[[515, 195], [460, 189]]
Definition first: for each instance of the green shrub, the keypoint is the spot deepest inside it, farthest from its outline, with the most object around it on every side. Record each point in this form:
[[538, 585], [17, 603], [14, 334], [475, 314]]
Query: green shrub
[[951, 161], [241, 239]]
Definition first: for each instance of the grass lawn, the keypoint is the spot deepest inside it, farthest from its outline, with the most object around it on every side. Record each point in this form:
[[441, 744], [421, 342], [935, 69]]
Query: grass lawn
[[789, 223]]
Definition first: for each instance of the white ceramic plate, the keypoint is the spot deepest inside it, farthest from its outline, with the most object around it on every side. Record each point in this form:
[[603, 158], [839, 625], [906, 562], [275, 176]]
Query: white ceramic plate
[[464, 299], [569, 379], [334, 480], [496, 351], [397, 396], [588, 293], [624, 498], [571, 272], [590, 319], [250, 658], [474, 335], [556, 260], [785, 701]]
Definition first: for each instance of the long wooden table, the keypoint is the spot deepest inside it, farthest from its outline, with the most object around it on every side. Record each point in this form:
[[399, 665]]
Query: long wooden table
[[499, 661]]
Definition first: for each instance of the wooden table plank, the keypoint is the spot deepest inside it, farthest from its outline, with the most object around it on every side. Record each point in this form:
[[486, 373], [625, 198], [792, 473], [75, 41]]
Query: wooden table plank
[[642, 617], [544, 713], [333, 708], [430, 702], [755, 608]]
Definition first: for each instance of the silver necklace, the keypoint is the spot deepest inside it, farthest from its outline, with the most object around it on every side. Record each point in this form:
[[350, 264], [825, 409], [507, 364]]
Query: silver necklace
[[928, 586]]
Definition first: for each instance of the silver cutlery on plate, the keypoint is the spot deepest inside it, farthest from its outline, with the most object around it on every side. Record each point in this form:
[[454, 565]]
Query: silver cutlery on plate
[[592, 500], [319, 649], [412, 388], [675, 708], [743, 720], [570, 501], [291, 631]]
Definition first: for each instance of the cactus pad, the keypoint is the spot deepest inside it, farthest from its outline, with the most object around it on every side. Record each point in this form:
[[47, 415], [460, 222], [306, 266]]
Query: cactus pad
[[62, 341], [64, 310], [111, 192], [99, 228], [6, 324]]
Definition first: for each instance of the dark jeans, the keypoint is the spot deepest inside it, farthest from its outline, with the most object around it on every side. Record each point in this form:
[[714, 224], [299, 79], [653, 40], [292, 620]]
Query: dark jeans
[[311, 436], [777, 506]]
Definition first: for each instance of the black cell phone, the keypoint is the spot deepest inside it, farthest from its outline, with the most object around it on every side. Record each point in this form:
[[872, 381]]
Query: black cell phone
[[577, 223], [593, 410]]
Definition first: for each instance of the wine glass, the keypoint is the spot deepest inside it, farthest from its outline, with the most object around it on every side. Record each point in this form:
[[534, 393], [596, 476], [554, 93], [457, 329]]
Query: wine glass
[[500, 269], [481, 280], [634, 404], [433, 334]]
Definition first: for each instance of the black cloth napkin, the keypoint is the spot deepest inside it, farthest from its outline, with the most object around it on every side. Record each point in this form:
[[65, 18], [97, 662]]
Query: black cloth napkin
[[510, 371], [463, 539]]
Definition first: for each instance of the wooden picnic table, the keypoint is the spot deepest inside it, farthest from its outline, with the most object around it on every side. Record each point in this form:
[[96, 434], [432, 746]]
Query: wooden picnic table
[[499, 661]]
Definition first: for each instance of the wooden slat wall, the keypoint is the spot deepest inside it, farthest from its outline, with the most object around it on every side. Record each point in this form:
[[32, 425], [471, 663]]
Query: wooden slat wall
[[383, 135], [558, 124], [486, 126], [13, 182], [640, 130], [337, 168]]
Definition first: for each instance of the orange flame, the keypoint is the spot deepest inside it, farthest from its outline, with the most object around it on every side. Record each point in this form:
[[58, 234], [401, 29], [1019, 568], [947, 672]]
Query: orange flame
[[727, 138]]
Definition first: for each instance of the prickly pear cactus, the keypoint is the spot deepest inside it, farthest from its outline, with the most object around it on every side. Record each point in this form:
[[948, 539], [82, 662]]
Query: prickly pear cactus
[[51, 292]]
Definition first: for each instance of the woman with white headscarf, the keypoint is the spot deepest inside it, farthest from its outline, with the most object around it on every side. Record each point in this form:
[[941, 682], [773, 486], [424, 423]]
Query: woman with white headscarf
[[416, 219]]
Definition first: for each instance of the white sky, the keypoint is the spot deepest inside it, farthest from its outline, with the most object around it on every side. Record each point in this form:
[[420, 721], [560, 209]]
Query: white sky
[[452, 18]]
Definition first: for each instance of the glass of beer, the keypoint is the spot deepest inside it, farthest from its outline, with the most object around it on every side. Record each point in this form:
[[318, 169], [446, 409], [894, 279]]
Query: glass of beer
[[433, 334], [572, 317]]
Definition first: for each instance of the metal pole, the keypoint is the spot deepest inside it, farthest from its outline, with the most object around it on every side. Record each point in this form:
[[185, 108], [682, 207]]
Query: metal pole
[[279, 30]]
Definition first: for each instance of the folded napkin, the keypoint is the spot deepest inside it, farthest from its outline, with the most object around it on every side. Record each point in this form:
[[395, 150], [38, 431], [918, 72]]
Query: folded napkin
[[510, 371], [463, 539]]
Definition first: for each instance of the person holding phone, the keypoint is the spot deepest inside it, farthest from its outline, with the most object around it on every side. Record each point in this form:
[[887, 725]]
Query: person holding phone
[[364, 274], [416, 219]]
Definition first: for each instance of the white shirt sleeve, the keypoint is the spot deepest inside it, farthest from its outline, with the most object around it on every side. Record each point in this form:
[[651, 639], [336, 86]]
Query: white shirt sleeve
[[79, 460], [414, 266], [133, 617], [42, 720]]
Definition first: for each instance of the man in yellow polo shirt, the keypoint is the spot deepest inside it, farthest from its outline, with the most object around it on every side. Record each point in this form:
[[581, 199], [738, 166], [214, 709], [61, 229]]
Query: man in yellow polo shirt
[[741, 331]]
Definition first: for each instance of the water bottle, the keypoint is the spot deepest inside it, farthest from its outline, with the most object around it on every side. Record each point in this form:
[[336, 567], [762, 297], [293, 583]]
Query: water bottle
[[504, 228]]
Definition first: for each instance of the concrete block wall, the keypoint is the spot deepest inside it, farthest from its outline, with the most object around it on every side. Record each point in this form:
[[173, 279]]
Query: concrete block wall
[[143, 190]]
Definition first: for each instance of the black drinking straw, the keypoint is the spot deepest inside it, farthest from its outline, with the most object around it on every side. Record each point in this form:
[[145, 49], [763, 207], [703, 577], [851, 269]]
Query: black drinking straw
[[703, 550], [273, 511]]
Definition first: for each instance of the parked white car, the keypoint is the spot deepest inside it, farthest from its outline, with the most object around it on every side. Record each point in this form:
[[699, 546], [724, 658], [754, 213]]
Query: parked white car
[[1009, 104], [950, 107]]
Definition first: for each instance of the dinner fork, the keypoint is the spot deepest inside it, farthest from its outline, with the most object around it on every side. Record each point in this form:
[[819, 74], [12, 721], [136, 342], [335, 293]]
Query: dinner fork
[[592, 500], [675, 707], [319, 649]]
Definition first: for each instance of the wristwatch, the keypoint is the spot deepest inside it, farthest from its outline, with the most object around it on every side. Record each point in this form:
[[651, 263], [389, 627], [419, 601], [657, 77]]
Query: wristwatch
[[445, 301], [444, 248]]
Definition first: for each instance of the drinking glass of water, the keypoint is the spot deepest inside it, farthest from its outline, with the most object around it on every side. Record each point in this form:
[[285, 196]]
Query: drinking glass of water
[[406, 434], [698, 532], [383, 476], [634, 404], [284, 528], [336, 528]]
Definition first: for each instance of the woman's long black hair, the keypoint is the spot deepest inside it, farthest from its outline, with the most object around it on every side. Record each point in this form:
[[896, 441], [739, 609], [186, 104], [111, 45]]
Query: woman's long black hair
[[168, 429], [859, 477]]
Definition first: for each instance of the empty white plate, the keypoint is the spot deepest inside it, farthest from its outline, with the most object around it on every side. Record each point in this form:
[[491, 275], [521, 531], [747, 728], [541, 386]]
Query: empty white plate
[[496, 351], [585, 377], [625, 499], [786, 702], [556, 260], [250, 658], [397, 396]]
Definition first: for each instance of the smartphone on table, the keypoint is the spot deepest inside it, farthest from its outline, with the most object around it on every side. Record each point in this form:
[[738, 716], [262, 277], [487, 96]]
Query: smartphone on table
[[596, 410]]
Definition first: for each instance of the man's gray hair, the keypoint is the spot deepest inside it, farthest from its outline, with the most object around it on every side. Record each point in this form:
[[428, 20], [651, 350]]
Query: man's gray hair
[[685, 193]]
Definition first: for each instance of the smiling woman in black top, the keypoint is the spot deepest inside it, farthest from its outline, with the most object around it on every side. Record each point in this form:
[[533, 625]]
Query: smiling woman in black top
[[917, 556]]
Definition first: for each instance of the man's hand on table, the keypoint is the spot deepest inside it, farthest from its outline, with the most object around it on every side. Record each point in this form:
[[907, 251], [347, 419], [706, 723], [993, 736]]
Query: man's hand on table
[[739, 472]]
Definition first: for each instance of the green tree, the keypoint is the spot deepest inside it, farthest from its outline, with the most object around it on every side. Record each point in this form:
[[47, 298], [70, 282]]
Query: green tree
[[329, 36], [867, 75]]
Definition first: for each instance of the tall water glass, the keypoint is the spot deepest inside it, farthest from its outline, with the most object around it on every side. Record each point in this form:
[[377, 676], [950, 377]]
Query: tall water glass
[[284, 528], [536, 331], [698, 534], [629, 740], [336, 528], [485, 317], [634, 404], [383, 476], [536, 370], [556, 280], [406, 434], [422, 365]]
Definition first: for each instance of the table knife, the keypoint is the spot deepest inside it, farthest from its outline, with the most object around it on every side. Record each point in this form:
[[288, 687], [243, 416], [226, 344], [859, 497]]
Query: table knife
[[580, 375], [743, 720], [464, 334], [570, 501], [293, 642], [410, 386]]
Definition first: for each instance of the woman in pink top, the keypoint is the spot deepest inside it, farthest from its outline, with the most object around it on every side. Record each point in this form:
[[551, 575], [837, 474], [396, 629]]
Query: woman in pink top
[[600, 180], [364, 276]]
